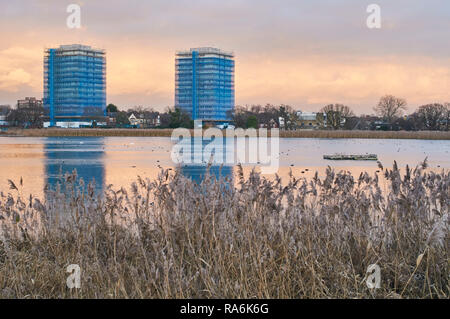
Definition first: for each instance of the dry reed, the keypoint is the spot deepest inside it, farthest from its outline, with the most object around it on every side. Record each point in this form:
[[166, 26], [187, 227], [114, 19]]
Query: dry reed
[[54, 132], [249, 238]]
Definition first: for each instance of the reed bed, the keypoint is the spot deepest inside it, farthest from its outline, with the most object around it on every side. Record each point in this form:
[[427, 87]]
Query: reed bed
[[247, 238], [55, 132], [91, 132]]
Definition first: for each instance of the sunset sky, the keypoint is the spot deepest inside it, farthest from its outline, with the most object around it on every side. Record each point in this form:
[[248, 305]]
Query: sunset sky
[[299, 52]]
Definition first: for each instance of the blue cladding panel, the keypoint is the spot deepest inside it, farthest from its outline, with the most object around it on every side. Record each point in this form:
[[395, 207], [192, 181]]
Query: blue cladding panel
[[194, 86], [205, 85], [51, 87], [74, 83]]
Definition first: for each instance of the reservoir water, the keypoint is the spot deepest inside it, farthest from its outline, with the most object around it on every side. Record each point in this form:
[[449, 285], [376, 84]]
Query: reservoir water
[[119, 160]]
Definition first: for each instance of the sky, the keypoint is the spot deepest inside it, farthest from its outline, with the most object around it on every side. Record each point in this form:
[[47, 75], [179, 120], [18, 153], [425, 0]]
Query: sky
[[302, 53]]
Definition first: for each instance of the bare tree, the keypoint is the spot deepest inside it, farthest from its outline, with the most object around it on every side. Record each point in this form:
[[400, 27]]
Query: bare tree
[[136, 109], [433, 116], [256, 109], [336, 114], [390, 107], [240, 116], [269, 114], [26, 116], [289, 115], [447, 116]]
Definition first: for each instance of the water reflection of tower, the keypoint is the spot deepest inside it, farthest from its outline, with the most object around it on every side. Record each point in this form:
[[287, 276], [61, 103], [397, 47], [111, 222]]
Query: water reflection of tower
[[197, 172], [85, 155], [220, 169]]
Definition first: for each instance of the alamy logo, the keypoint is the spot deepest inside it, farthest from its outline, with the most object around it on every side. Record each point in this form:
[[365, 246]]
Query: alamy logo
[[238, 146], [74, 279], [374, 279], [74, 19], [374, 19]]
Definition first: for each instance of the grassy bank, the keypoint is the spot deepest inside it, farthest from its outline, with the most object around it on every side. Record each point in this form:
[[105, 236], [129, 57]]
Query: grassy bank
[[421, 135], [172, 238], [54, 132], [425, 135]]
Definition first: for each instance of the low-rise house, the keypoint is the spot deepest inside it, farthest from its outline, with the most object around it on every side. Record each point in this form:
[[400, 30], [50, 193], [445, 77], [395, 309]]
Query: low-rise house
[[111, 119], [135, 120], [156, 122], [311, 120], [142, 122], [272, 124], [29, 102], [381, 126]]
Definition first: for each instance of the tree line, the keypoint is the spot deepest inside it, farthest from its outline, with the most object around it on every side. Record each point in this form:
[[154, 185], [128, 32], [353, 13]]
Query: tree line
[[389, 115], [170, 118], [34, 117]]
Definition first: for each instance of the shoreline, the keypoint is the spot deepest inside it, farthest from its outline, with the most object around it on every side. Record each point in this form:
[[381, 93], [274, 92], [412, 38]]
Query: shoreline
[[421, 135]]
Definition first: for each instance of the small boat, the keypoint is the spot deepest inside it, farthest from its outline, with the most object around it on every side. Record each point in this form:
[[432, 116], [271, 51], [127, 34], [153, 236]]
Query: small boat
[[348, 157]]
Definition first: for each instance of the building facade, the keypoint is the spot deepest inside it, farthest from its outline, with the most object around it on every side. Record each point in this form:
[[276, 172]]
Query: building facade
[[29, 103], [4, 111], [74, 85], [141, 121], [204, 83], [311, 120]]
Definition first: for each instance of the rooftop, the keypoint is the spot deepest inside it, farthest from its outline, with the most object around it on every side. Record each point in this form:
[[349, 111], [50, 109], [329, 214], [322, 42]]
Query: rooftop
[[205, 51], [77, 47]]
